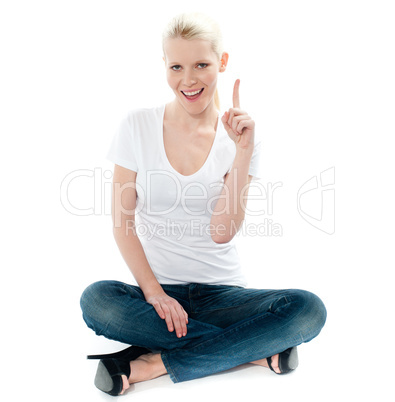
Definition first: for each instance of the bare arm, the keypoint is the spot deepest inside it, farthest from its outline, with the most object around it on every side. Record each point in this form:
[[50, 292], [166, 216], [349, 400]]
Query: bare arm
[[229, 211], [124, 197]]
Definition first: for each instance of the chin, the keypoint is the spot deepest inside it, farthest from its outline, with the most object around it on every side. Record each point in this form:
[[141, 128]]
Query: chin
[[195, 107]]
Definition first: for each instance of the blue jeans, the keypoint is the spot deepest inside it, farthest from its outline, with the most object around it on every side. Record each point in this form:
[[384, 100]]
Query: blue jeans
[[228, 325]]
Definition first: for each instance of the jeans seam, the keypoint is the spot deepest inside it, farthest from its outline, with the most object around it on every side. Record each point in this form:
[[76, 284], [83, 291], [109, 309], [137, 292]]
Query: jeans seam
[[170, 371], [224, 308]]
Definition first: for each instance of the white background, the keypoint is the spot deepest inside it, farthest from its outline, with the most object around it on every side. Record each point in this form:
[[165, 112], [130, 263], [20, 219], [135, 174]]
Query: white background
[[318, 78]]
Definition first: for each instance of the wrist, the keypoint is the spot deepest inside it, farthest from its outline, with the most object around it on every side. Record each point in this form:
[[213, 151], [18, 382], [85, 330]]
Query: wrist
[[244, 153], [152, 290]]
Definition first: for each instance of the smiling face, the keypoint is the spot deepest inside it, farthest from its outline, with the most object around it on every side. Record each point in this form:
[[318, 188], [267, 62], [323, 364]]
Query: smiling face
[[192, 70]]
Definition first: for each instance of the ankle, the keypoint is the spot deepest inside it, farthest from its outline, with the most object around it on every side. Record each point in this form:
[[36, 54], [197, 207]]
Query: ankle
[[146, 367], [261, 362]]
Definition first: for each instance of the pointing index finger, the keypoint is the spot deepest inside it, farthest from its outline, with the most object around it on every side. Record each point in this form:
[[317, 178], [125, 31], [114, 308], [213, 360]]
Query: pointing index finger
[[236, 97]]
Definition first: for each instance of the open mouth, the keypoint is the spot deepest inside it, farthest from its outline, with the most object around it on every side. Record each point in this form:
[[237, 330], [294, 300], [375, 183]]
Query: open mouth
[[192, 95]]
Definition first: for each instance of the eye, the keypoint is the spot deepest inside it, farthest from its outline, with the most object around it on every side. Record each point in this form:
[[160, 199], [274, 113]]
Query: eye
[[176, 68], [202, 65]]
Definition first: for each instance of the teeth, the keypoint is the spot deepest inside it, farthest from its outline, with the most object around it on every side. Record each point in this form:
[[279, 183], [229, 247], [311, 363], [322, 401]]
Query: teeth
[[191, 93]]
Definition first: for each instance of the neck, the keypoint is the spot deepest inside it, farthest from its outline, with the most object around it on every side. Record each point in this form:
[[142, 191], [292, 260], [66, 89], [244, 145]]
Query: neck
[[208, 117]]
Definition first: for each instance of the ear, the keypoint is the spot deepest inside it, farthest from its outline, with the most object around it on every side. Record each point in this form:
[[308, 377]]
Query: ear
[[223, 62]]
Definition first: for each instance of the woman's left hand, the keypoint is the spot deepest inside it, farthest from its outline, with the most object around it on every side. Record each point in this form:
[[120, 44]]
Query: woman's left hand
[[238, 124]]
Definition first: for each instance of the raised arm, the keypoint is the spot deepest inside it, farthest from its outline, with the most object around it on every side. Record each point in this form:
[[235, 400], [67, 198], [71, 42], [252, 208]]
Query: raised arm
[[229, 212], [124, 197]]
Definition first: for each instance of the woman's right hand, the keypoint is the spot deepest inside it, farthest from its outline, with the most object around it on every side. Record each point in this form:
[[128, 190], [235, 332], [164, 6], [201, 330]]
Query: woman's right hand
[[171, 311]]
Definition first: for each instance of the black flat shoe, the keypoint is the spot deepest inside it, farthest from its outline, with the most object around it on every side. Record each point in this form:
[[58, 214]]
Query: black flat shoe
[[112, 366], [287, 361]]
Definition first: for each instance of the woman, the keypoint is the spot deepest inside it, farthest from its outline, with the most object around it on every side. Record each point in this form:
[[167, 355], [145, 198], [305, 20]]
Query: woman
[[180, 181]]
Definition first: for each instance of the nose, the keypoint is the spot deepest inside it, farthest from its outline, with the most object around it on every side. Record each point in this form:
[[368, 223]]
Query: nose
[[189, 77]]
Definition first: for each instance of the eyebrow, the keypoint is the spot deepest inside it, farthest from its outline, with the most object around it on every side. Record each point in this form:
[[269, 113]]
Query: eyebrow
[[196, 62]]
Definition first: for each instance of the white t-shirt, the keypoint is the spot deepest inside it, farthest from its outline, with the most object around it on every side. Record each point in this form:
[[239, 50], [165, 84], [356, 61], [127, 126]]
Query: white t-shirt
[[173, 211]]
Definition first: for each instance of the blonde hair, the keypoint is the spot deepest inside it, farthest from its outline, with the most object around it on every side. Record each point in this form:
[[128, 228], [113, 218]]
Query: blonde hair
[[191, 26]]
